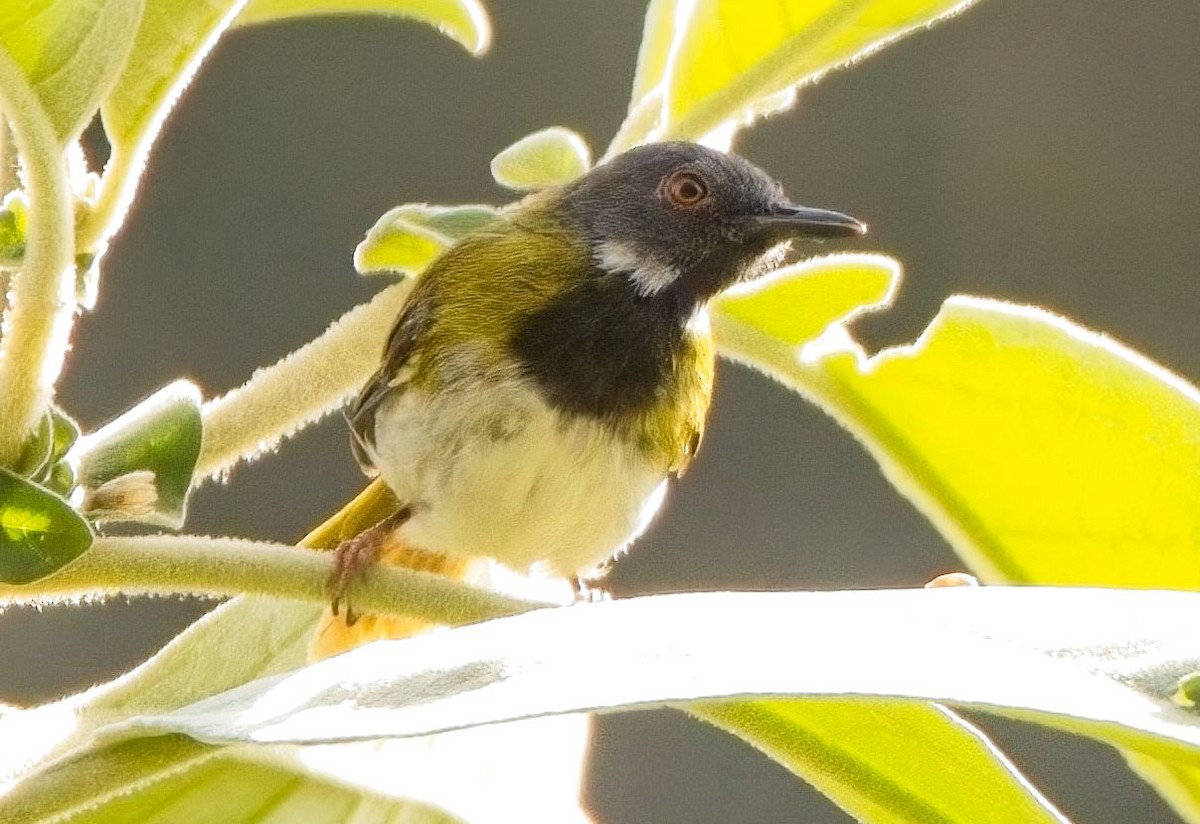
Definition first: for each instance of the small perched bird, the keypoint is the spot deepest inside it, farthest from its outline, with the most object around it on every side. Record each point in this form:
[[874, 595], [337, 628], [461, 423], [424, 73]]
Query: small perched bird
[[552, 372]]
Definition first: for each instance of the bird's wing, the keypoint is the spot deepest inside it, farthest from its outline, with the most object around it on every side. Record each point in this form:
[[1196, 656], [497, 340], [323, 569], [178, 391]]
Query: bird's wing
[[398, 366]]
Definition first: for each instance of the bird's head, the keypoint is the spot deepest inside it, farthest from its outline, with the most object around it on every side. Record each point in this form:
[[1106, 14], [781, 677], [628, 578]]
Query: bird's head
[[683, 222]]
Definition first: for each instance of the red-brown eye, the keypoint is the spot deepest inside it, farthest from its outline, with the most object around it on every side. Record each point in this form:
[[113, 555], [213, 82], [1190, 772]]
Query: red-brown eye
[[685, 189]]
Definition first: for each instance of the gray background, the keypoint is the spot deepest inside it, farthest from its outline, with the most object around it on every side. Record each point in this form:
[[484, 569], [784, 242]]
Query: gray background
[[1042, 152]]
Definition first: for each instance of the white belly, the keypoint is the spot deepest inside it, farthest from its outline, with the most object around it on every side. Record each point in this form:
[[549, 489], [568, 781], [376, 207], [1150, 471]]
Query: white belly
[[496, 472]]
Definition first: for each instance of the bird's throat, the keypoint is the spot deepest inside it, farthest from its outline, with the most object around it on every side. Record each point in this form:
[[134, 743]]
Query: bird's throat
[[605, 352]]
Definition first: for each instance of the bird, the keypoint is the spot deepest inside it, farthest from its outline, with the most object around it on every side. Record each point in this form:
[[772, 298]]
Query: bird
[[551, 373]]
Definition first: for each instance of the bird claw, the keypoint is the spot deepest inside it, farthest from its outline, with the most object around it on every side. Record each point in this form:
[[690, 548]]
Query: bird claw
[[351, 561], [354, 556]]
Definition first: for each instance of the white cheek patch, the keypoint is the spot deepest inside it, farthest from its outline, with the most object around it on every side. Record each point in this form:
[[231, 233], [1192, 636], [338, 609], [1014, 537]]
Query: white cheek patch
[[649, 276], [769, 260]]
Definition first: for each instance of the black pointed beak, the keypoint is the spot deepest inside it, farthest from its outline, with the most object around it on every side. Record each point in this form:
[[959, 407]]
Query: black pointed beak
[[787, 220]]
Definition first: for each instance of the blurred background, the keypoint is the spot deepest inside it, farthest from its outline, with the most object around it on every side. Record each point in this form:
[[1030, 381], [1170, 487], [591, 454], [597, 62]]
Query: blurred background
[[1041, 152]]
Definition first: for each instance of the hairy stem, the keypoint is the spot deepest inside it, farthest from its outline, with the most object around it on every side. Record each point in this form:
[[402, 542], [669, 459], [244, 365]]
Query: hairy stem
[[8, 159], [308, 384], [221, 567], [37, 321]]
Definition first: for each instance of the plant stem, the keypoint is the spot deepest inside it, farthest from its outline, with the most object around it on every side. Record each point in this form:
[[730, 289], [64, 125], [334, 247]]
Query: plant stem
[[8, 159], [308, 384], [37, 322], [221, 567]]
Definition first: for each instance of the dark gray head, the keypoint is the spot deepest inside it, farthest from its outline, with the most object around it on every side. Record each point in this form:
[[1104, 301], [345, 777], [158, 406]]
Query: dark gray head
[[684, 222]]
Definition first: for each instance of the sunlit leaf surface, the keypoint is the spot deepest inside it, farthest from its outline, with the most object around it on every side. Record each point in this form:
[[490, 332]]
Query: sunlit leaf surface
[[70, 52]]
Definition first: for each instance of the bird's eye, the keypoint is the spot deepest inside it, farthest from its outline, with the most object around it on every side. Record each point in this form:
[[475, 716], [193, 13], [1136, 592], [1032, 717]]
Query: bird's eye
[[685, 189]]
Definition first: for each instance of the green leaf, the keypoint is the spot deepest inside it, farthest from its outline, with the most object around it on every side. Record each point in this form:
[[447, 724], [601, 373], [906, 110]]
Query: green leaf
[[464, 21], [408, 238], [48, 446], [39, 531], [1043, 451], [232, 789], [71, 52], [1108, 673], [731, 61], [658, 35], [397, 244], [886, 760], [35, 455], [551, 157], [453, 222], [140, 466], [172, 40], [796, 304]]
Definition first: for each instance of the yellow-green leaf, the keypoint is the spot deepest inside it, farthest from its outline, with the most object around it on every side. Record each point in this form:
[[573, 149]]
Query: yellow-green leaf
[[395, 244], [547, 158], [1045, 453], [658, 33], [70, 52], [797, 303], [887, 761], [464, 21], [172, 40], [733, 59], [408, 238]]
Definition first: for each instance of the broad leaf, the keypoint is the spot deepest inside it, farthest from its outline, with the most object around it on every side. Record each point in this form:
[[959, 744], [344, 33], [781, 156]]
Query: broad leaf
[[71, 52], [731, 61], [140, 466], [1044, 452], [249, 638], [658, 35], [551, 157], [796, 304], [1103, 663], [465, 21], [887, 761], [171, 42], [230, 789], [39, 531], [407, 238]]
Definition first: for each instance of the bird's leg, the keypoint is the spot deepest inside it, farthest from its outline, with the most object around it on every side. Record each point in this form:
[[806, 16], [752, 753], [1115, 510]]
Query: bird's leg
[[587, 591], [356, 555]]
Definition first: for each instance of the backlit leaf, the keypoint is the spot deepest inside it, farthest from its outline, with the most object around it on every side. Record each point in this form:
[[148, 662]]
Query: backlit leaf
[[408, 238], [731, 61], [547, 158], [39, 531], [156, 443], [465, 21], [70, 52]]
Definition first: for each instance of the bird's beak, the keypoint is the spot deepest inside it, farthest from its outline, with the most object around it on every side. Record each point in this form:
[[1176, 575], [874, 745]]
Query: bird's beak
[[787, 220]]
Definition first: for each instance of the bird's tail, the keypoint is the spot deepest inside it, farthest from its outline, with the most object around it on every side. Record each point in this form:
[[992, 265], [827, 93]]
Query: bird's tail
[[372, 505]]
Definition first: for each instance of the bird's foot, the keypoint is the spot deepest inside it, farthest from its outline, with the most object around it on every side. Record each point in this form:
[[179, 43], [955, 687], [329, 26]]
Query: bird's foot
[[355, 556]]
